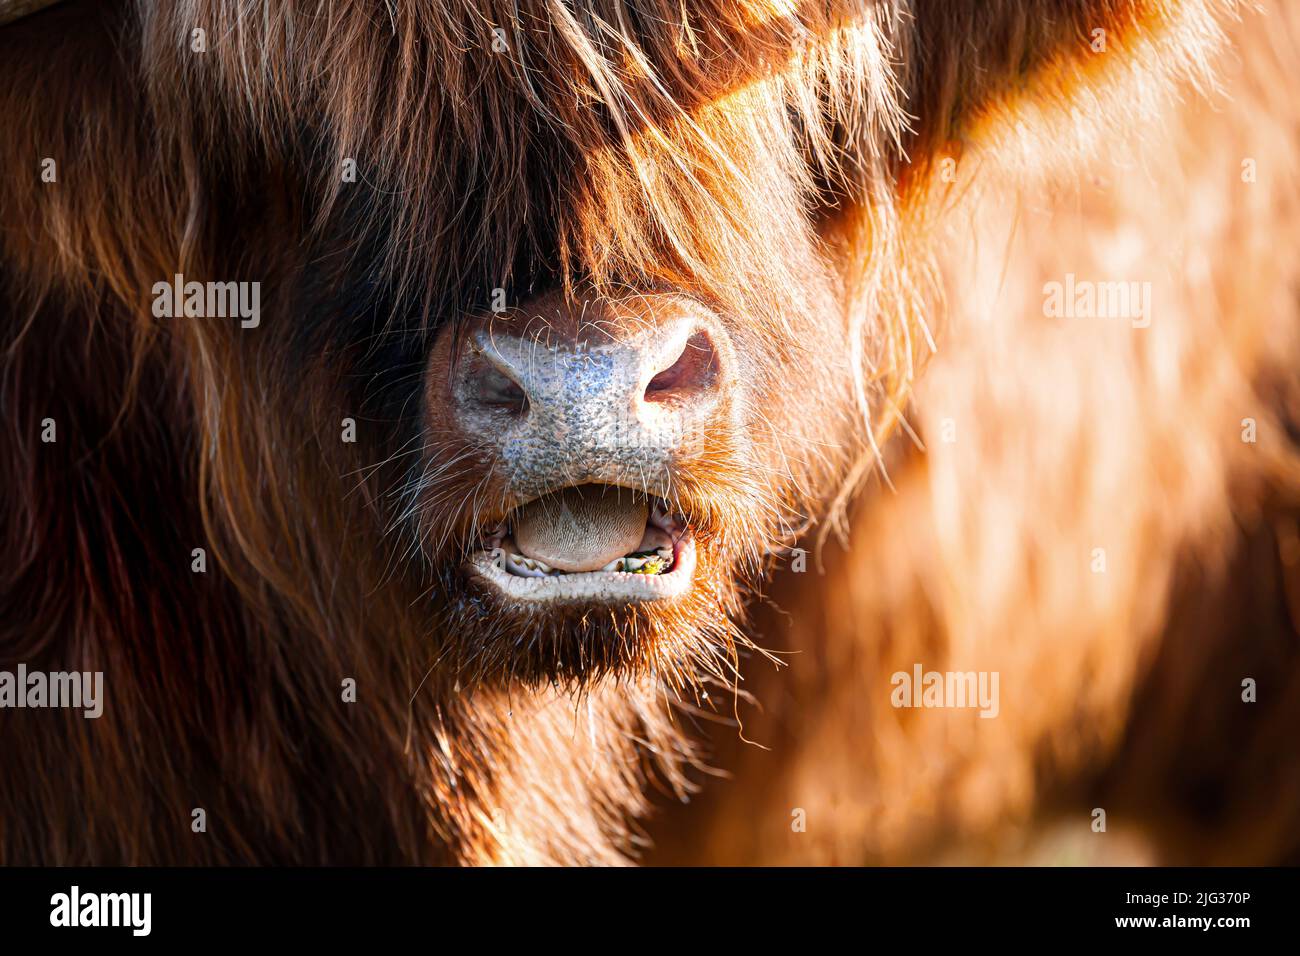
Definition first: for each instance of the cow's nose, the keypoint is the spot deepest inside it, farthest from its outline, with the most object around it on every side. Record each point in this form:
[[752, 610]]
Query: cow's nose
[[567, 409]]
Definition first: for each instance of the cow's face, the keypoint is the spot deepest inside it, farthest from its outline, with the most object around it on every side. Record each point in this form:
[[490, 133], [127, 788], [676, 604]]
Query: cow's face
[[640, 376], [670, 382]]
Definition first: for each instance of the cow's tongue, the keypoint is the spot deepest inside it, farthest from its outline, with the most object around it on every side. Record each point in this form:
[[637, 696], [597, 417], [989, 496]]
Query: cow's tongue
[[581, 529]]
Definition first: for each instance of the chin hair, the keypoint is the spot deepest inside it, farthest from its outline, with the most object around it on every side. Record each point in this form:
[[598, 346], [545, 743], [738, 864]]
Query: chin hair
[[683, 644]]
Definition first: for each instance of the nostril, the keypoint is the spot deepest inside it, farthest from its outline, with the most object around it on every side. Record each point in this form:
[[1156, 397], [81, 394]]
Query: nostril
[[494, 389], [695, 369]]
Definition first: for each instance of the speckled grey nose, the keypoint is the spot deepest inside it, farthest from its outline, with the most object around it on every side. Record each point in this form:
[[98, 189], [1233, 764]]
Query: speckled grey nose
[[567, 411]]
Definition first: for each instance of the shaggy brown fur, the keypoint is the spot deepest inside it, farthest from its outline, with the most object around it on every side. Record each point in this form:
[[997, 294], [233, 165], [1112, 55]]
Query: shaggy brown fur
[[1123, 690], [780, 161]]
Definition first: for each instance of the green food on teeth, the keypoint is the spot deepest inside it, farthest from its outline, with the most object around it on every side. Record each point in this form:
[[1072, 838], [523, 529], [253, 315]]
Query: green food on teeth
[[654, 565]]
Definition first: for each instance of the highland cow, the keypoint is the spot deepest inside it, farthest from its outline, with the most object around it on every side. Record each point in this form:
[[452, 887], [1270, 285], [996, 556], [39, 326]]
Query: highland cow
[[580, 439]]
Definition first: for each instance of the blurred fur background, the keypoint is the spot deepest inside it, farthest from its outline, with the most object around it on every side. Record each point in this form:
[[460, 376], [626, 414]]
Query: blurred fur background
[[1120, 690]]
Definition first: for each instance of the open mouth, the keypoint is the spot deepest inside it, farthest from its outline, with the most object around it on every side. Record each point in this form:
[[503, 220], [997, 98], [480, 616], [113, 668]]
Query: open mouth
[[593, 543]]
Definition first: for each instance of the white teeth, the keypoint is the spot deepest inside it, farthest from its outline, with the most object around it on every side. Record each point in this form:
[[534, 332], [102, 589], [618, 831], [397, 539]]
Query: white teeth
[[532, 568], [527, 567]]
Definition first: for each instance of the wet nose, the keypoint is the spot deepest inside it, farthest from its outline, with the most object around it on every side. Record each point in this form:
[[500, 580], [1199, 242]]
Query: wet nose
[[566, 409]]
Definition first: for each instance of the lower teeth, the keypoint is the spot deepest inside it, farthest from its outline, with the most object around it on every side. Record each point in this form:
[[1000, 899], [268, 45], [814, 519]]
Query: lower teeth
[[652, 562]]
